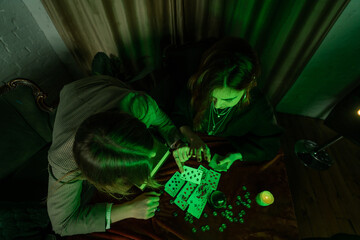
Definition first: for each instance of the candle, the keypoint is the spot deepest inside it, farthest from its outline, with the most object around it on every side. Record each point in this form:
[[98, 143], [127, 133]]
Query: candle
[[264, 198]]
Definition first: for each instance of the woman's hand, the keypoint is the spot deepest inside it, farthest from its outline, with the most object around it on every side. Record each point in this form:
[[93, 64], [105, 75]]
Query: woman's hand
[[144, 206], [197, 146], [225, 164], [181, 155]]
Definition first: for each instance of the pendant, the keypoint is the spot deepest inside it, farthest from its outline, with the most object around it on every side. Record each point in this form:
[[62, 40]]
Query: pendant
[[218, 116]]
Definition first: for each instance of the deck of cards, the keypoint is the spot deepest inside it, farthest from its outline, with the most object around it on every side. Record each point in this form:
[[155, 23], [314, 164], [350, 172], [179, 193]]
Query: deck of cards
[[192, 188]]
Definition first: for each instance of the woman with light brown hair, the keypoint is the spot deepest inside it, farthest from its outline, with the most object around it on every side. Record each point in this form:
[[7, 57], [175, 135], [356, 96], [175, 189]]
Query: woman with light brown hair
[[221, 99], [102, 140]]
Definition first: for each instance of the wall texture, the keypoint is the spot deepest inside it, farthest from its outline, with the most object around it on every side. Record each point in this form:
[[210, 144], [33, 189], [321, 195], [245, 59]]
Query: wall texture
[[333, 71], [25, 51]]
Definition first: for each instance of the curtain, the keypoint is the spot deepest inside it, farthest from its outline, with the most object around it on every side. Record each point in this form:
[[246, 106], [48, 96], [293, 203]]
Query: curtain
[[285, 33]]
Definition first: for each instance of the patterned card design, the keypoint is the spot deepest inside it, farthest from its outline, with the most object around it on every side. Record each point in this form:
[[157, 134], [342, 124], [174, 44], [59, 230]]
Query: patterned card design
[[198, 199], [204, 170], [182, 197], [175, 183], [192, 175], [212, 178]]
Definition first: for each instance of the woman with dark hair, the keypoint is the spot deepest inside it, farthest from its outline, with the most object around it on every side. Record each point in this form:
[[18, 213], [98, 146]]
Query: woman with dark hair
[[102, 139], [222, 99]]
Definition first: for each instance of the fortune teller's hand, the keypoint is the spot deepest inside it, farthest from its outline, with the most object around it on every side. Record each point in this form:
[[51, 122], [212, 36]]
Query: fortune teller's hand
[[144, 206], [199, 149], [225, 164], [181, 155]]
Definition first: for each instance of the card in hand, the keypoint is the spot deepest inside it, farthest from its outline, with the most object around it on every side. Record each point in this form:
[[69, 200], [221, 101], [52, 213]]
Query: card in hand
[[214, 163], [182, 197], [191, 174], [212, 179], [175, 183]]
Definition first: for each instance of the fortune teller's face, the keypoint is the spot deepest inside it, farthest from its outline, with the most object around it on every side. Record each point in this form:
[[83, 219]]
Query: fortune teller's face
[[226, 97]]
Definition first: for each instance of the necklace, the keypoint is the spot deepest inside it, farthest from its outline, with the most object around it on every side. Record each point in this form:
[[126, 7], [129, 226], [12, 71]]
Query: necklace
[[216, 125]]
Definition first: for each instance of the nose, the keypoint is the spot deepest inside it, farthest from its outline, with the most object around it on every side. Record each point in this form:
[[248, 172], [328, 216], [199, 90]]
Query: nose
[[218, 104]]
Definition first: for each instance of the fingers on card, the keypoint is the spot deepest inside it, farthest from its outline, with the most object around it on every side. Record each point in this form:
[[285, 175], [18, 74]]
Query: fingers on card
[[192, 175], [175, 183]]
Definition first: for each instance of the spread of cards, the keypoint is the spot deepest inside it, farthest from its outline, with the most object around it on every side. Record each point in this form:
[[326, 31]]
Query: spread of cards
[[192, 188]]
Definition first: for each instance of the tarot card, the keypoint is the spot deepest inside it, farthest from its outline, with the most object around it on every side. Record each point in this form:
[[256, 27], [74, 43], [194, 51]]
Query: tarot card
[[204, 170], [214, 163], [191, 174], [197, 208], [212, 179], [198, 199], [175, 183], [184, 194]]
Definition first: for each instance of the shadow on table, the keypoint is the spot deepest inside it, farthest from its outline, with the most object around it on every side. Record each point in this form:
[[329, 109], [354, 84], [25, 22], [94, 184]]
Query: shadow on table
[[339, 236]]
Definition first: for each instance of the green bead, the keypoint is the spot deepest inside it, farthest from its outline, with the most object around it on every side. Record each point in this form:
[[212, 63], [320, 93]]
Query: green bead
[[193, 230], [203, 228], [175, 214], [221, 229], [231, 214], [248, 206], [223, 214], [236, 220], [243, 212], [244, 188], [241, 220], [215, 213], [237, 203], [207, 227], [205, 215], [238, 197], [249, 201], [191, 221], [231, 220], [230, 207], [223, 225]]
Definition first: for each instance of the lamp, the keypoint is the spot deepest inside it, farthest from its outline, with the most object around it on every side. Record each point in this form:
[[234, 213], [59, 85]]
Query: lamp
[[344, 118]]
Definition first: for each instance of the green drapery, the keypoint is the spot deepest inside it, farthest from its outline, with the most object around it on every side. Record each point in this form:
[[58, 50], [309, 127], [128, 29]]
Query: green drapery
[[285, 33]]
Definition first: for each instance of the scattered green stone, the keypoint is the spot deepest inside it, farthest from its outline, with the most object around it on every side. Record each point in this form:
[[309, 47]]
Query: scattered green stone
[[238, 197], [237, 203], [248, 206], [203, 228], [223, 214], [207, 227], [243, 212], [249, 201], [236, 220], [230, 207], [175, 214], [240, 215], [221, 229], [223, 225], [215, 213], [205, 215], [244, 188], [193, 230], [241, 220], [231, 214]]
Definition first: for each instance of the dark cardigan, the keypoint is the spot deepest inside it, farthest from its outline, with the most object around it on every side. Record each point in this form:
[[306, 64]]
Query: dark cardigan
[[252, 131]]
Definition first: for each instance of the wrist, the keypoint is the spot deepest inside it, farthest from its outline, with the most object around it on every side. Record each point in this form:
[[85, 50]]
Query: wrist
[[121, 211]]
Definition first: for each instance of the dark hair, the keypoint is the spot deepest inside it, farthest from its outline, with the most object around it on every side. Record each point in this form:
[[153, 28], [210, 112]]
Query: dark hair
[[230, 62], [112, 152]]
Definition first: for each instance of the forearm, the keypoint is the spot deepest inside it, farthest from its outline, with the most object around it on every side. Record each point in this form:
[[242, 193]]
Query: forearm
[[120, 212], [188, 133]]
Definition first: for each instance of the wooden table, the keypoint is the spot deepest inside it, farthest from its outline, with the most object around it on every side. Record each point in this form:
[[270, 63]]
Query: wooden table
[[276, 221]]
